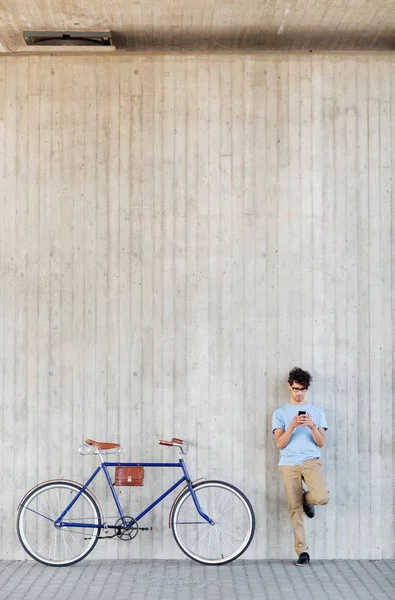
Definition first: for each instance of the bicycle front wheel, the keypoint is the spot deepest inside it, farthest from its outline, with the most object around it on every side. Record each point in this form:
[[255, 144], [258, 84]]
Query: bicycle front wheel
[[38, 534], [233, 528]]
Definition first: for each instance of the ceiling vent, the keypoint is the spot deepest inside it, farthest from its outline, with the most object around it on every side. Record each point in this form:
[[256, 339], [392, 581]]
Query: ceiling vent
[[67, 38]]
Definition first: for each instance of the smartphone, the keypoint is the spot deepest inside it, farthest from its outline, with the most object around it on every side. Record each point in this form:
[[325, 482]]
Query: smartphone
[[302, 412]]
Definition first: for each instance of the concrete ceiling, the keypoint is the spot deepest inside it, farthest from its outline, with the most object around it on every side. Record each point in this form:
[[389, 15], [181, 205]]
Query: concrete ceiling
[[209, 24]]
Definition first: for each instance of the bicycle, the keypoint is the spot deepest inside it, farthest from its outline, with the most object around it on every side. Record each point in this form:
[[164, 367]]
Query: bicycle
[[60, 521]]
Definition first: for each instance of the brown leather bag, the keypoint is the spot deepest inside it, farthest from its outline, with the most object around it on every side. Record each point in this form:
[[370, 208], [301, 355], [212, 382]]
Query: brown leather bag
[[129, 476]]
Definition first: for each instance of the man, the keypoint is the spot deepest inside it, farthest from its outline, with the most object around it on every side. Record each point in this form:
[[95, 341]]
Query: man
[[299, 429]]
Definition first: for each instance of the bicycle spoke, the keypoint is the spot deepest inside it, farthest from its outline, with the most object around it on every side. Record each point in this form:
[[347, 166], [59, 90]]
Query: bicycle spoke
[[206, 533], [67, 547], [40, 514]]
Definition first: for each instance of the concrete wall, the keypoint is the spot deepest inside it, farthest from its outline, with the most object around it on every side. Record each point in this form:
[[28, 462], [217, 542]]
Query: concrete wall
[[176, 233]]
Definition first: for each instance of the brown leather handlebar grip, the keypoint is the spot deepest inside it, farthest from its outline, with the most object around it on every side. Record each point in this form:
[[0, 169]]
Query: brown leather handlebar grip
[[177, 441], [165, 443]]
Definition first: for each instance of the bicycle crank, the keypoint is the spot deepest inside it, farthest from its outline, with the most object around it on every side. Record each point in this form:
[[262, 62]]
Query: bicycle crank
[[126, 528]]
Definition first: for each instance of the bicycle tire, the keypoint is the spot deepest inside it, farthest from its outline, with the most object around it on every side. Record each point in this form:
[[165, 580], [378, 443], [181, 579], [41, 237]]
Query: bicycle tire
[[51, 545], [233, 529]]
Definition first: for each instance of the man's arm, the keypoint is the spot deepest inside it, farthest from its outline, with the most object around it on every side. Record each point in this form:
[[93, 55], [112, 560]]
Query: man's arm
[[318, 436], [317, 432], [283, 437]]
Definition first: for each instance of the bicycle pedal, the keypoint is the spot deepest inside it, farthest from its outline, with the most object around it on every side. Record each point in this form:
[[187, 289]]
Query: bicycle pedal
[[145, 528]]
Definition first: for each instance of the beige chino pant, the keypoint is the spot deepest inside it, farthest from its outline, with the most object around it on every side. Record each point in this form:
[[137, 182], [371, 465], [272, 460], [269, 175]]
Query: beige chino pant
[[312, 473]]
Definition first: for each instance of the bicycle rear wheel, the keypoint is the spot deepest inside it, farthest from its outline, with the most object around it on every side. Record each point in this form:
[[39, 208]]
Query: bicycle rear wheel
[[233, 529], [51, 545]]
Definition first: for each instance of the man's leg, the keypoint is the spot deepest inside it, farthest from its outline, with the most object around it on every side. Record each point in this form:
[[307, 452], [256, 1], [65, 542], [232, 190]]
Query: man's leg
[[292, 479], [313, 475]]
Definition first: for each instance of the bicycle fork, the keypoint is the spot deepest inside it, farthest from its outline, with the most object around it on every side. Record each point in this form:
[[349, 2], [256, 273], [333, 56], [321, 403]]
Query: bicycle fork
[[194, 495]]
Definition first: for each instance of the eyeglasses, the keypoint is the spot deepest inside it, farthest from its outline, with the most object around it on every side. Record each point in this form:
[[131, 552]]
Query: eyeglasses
[[295, 389]]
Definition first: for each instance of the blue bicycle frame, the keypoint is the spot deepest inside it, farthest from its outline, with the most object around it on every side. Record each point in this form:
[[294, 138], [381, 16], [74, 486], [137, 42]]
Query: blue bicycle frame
[[105, 465]]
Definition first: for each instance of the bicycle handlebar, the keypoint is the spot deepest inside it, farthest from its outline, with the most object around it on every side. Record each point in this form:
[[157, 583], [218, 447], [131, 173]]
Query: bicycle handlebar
[[175, 442]]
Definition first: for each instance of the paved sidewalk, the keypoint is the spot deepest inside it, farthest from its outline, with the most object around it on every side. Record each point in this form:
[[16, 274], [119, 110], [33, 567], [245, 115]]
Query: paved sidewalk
[[181, 580]]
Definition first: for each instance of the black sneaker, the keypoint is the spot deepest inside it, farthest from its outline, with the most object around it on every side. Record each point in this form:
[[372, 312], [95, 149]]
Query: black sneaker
[[308, 510], [303, 560]]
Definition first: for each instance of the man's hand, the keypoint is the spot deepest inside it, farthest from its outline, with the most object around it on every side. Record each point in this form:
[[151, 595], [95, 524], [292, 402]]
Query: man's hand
[[308, 421], [298, 421]]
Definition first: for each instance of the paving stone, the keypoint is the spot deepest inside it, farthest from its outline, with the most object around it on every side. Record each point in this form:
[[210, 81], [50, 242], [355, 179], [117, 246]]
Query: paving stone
[[184, 580]]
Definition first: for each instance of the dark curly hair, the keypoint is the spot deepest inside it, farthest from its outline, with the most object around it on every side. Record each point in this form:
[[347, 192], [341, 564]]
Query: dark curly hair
[[297, 375]]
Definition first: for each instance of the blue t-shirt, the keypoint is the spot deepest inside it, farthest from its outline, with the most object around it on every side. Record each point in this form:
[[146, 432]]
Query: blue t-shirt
[[301, 445]]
